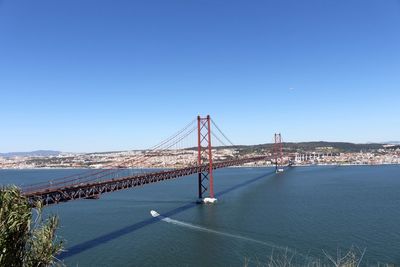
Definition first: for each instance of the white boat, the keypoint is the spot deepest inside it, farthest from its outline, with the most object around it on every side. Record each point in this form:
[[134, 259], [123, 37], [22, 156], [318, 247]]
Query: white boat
[[154, 213]]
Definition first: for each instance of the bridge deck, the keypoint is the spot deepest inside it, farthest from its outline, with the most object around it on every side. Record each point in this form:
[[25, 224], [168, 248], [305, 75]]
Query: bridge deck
[[94, 189]]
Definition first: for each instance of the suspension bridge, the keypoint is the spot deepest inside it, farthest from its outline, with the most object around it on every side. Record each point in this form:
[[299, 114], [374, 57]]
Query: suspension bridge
[[93, 183]]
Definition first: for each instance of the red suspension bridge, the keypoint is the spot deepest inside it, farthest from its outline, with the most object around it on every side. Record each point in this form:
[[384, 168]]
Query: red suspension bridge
[[114, 177]]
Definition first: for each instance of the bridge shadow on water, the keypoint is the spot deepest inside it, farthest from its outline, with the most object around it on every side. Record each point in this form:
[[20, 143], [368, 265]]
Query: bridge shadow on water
[[79, 248]]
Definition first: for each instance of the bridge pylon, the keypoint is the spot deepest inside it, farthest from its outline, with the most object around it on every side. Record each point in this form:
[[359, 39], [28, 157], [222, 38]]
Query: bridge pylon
[[278, 152], [205, 175]]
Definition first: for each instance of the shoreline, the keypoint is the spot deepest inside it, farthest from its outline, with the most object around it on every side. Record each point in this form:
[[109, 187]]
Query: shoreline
[[161, 168]]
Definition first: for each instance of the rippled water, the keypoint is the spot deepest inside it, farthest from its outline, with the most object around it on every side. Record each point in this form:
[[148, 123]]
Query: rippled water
[[305, 209]]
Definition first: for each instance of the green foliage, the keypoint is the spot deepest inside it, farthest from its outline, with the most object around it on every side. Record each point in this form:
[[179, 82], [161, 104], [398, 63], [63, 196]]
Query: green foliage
[[352, 258], [26, 240]]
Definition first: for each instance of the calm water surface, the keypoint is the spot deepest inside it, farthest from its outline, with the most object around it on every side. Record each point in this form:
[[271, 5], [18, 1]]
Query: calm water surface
[[305, 209]]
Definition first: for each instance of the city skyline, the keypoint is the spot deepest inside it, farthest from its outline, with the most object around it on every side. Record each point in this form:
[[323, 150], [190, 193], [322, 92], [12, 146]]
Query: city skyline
[[106, 76]]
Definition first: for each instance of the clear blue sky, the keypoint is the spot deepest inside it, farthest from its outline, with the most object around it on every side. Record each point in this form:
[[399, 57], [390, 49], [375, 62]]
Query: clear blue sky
[[92, 75]]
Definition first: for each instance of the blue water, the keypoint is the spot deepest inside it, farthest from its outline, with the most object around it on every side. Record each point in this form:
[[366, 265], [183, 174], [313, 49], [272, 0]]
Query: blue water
[[305, 209]]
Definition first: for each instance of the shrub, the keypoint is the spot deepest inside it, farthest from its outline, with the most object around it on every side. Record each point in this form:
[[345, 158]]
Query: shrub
[[26, 240]]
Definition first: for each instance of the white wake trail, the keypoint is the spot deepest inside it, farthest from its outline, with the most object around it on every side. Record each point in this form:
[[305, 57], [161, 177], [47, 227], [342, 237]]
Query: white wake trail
[[204, 229]]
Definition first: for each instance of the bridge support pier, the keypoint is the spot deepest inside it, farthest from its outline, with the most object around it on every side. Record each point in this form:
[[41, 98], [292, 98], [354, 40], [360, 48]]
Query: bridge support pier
[[278, 153], [205, 175]]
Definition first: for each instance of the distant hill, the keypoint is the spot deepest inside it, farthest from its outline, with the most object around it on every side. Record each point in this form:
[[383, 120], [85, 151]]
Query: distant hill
[[393, 143], [316, 146], [338, 146], [322, 146], [37, 153]]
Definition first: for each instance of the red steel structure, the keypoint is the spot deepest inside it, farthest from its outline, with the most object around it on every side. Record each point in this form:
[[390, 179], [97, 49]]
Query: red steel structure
[[278, 151], [205, 156], [88, 185], [94, 189]]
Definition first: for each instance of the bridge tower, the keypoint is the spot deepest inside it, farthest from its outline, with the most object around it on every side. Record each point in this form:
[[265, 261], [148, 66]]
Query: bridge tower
[[205, 175], [278, 152]]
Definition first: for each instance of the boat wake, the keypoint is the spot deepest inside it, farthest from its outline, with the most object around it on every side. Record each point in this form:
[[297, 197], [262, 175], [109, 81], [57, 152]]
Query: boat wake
[[204, 229]]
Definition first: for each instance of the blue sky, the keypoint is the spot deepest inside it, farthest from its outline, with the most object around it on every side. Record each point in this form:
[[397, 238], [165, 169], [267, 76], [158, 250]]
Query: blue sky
[[92, 75]]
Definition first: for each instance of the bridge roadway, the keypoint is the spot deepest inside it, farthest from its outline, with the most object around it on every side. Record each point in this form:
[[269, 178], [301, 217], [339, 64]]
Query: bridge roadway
[[93, 190]]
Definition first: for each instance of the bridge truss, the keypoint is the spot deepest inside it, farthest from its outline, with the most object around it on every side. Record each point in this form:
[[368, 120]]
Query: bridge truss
[[93, 183]]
